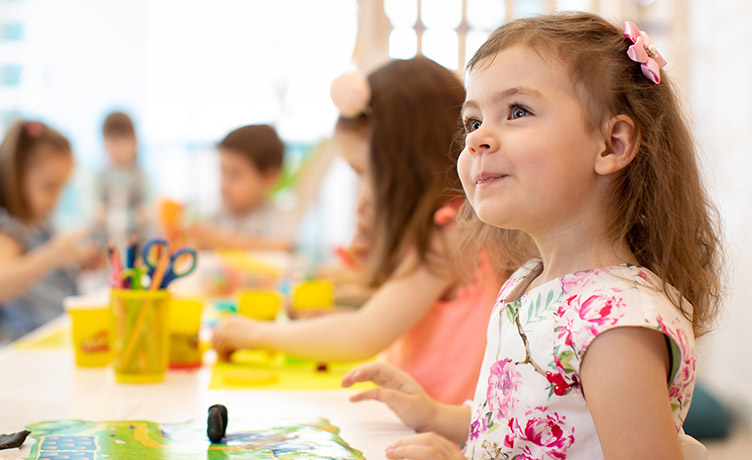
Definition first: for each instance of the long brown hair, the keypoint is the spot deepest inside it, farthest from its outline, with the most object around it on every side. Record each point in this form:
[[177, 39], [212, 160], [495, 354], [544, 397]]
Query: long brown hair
[[410, 122], [659, 205], [20, 144]]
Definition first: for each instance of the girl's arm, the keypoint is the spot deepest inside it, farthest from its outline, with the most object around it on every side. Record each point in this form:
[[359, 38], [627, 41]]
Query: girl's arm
[[18, 271], [624, 380], [388, 314], [207, 237]]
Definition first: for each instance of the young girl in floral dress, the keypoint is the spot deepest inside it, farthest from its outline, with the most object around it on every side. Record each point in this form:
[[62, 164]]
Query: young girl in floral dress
[[574, 136]]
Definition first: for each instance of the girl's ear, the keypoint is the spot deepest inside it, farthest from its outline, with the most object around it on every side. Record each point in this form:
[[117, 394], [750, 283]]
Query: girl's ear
[[622, 144]]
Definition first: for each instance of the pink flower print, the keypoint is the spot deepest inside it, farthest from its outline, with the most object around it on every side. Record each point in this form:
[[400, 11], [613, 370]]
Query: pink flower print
[[597, 310], [502, 386], [585, 319], [644, 277], [576, 282], [478, 427], [543, 436]]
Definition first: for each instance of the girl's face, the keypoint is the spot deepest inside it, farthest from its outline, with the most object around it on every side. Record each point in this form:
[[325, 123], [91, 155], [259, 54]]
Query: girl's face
[[528, 161], [45, 176], [353, 147]]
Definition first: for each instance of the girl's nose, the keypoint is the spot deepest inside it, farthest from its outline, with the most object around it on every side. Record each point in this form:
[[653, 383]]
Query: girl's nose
[[481, 141]]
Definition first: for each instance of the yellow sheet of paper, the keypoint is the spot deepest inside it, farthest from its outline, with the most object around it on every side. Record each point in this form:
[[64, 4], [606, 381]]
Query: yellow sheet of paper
[[54, 338], [264, 370]]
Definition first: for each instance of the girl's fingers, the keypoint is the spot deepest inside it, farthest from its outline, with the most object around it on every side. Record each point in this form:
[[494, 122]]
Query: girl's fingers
[[367, 395], [412, 452], [380, 373], [425, 445], [389, 397], [362, 373]]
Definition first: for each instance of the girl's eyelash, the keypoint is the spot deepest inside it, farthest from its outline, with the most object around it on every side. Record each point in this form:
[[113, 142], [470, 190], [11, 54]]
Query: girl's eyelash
[[514, 106], [468, 123]]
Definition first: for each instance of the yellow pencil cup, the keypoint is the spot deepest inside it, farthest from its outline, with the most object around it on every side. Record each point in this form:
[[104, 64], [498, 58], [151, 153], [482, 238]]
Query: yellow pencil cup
[[90, 324], [140, 340], [313, 295], [184, 325], [260, 304]]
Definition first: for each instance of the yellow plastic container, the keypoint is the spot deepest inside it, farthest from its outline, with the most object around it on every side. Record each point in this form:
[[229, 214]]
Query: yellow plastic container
[[184, 325], [260, 304], [140, 335], [313, 295], [90, 324]]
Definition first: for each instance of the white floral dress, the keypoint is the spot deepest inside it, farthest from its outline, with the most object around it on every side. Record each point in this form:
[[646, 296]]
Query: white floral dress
[[528, 404]]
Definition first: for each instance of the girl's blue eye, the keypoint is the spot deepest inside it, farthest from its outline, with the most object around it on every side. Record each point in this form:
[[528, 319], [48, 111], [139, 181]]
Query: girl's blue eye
[[471, 125], [517, 111]]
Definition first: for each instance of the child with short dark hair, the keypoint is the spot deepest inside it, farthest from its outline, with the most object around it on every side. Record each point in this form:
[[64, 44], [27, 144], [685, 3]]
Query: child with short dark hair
[[250, 159]]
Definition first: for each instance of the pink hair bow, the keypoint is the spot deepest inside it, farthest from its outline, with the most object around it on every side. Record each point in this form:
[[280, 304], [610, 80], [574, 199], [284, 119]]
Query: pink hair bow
[[34, 128], [644, 52]]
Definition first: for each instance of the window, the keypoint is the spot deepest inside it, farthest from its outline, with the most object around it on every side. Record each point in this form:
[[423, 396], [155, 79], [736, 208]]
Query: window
[[450, 31]]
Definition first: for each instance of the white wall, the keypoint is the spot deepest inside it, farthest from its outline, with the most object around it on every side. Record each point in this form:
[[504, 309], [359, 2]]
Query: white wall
[[721, 107]]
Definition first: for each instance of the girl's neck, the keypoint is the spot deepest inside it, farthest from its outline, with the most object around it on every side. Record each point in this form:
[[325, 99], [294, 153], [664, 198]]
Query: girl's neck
[[578, 247]]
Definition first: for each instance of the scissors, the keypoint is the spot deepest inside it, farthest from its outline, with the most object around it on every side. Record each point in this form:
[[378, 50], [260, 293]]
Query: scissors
[[173, 270], [131, 278]]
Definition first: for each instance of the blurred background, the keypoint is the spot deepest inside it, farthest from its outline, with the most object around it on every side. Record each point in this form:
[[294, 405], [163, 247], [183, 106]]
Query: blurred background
[[189, 71]]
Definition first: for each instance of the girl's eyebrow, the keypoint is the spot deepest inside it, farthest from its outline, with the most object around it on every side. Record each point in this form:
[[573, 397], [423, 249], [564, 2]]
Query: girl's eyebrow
[[506, 94]]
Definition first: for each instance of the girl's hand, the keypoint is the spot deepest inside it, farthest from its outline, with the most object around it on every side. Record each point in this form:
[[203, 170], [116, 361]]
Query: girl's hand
[[398, 390], [235, 333], [71, 248], [426, 446]]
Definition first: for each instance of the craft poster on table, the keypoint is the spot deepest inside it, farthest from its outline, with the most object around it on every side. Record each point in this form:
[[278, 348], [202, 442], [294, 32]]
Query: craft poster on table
[[142, 440]]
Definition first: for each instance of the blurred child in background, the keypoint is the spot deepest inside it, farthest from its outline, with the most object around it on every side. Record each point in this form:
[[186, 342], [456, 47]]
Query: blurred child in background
[[37, 268], [250, 160], [396, 130], [122, 188]]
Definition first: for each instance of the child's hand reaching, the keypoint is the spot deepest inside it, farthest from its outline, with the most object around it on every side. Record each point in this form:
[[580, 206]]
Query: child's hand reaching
[[398, 390], [71, 248], [203, 236], [235, 333], [424, 446]]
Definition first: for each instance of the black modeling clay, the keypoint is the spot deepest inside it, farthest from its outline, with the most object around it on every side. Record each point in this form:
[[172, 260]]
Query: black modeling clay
[[216, 424], [10, 441]]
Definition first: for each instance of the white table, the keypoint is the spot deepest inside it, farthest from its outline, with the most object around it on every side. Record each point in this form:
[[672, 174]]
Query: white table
[[39, 385]]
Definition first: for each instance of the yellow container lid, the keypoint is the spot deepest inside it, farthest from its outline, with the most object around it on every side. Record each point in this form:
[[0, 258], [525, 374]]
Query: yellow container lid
[[185, 315], [313, 295]]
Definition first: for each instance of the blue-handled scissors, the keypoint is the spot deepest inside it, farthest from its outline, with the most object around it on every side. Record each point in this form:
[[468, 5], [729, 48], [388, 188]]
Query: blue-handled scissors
[[156, 248]]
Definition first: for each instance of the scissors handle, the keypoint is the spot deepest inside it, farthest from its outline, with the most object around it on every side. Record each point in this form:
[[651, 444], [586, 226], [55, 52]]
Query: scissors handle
[[149, 261], [173, 272]]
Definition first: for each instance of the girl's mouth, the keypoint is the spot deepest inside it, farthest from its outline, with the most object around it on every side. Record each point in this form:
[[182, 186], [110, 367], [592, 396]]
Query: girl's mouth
[[488, 179]]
